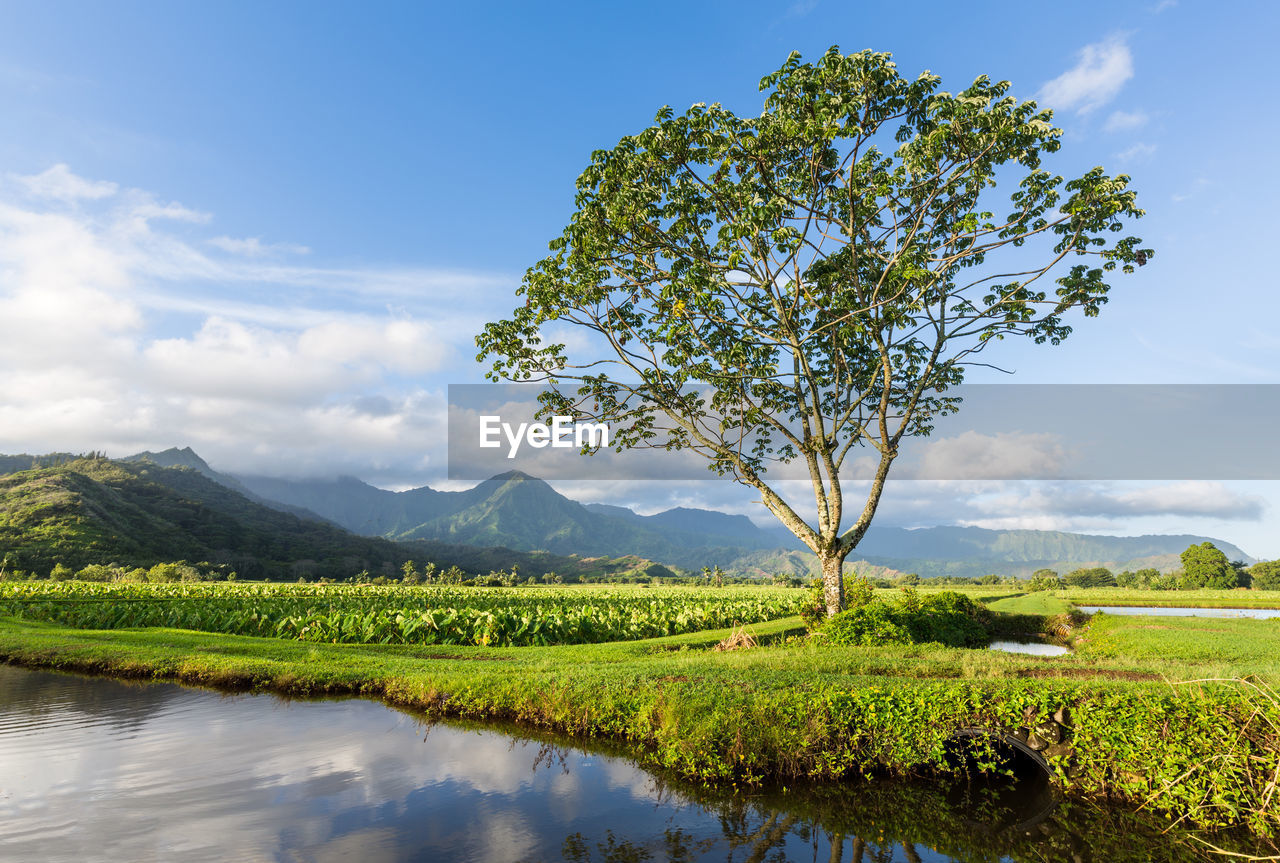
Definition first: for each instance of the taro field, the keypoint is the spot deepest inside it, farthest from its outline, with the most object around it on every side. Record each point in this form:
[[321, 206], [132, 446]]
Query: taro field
[[367, 614]]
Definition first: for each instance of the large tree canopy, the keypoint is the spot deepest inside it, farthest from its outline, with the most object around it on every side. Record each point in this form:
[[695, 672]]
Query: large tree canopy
[[826, 271]]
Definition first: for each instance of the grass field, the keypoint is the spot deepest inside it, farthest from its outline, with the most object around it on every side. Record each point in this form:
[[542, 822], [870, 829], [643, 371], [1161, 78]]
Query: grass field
[[1041, 603], [1172, 598]]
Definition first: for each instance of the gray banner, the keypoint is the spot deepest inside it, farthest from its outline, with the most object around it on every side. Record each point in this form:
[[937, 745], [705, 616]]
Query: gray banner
[[1001, 431]]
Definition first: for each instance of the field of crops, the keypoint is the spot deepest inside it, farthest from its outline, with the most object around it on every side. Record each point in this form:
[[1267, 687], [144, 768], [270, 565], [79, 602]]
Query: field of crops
[[366, 614]]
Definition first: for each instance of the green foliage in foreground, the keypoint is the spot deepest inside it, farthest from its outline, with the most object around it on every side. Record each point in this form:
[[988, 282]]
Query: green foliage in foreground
[[1204, 752], [359, 614]]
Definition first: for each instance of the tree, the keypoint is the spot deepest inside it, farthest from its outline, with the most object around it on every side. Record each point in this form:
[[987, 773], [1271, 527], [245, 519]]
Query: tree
[[1045, 579], [1204, 565], [1265, 575], [810, 282], [1097, 576], [1243, 578]]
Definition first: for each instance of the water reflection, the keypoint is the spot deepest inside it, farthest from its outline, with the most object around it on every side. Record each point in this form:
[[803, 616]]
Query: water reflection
[[94, 769], [1031, 648]]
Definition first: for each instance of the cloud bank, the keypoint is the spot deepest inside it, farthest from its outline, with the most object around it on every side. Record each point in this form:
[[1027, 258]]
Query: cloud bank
[[123, 327]]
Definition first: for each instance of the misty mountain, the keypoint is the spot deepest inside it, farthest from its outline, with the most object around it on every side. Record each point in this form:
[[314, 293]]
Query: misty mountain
[[513, 511], [522, 512], [187, 458]]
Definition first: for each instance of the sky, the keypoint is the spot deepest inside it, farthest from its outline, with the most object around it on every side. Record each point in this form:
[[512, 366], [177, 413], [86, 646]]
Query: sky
[[271, 231]]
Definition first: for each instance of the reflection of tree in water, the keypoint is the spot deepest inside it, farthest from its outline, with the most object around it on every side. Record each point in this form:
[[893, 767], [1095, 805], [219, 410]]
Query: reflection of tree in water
[[678, 847], [886, 821], [549, 755], [971, 818]]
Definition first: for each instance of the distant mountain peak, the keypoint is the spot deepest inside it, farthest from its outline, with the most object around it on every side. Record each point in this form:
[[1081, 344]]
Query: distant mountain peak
[[173, 457], [515, 475]]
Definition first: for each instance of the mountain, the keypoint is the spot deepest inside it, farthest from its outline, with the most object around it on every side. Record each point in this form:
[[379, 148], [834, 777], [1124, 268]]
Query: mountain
[[169, 506], [280, 526], [187, 458], [522, 512], [701, 526], [1024, 546], [517, 511], [93, 510]]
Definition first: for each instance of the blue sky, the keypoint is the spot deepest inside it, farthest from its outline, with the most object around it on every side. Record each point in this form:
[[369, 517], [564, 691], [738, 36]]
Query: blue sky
[[269, 231]]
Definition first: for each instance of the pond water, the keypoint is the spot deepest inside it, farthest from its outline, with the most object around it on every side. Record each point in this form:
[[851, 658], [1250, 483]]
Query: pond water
[[1259, 613], [95, 769], [1033, 648]]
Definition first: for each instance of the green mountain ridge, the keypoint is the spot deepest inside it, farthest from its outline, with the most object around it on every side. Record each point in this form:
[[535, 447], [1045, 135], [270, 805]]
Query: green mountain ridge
[[163, 507], [95, 510], [522, 512], [172, 504]]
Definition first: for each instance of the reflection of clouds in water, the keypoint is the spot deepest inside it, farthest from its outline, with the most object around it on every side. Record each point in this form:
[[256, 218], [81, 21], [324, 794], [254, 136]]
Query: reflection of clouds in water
[[254, 778], [622, 776], [374, 845], [503, 835]]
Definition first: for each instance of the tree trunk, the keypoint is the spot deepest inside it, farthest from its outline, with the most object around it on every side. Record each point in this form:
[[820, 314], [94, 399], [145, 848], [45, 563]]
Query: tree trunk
[[833, 579]]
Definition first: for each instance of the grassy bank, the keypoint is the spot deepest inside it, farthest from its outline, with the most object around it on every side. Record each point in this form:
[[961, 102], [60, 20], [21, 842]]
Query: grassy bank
[[1206, 752], [1172, 598]]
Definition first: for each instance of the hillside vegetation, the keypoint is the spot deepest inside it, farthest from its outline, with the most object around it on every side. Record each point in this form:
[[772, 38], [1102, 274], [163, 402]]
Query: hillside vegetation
[[93, 510]]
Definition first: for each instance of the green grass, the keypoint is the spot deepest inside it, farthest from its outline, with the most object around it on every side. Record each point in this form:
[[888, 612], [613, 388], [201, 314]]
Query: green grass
[[1186, 647], [1172, 598], [1041, 603]]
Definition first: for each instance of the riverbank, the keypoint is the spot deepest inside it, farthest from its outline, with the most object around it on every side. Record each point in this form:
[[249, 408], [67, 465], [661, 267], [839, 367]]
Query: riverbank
[[1111, 721]]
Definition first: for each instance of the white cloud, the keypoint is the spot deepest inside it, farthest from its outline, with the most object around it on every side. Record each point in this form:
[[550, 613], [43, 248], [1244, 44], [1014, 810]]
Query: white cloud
[[1102, 69], [1004, 455], [1121, 121], [1198, 186], [800, 8], [253, 247], [1138, 152], [60, 184], [121, 329], [1092, 503]]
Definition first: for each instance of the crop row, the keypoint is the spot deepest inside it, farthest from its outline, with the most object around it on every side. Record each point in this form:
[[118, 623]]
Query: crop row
[[353, 615]]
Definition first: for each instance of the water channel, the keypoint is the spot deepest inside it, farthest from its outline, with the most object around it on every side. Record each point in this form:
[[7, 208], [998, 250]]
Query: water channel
[[98, 769]]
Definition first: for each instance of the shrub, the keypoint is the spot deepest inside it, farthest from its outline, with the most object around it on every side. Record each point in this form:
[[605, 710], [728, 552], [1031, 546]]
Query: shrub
[[1045, 579], [1097, 576], [96, 572], [948, 618], [865, 626]]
